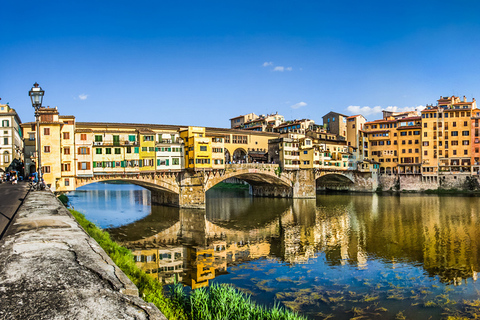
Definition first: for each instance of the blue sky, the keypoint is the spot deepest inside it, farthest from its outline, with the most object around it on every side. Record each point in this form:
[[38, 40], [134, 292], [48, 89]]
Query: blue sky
[[203, 62]]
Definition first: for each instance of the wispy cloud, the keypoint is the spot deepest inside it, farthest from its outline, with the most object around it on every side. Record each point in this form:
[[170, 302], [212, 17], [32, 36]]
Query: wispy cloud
[[298, 105], [366, 111], [83, 96], [276, 68]]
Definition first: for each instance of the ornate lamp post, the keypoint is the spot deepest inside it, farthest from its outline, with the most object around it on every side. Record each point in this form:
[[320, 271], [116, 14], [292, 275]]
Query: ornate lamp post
[[36, 95]]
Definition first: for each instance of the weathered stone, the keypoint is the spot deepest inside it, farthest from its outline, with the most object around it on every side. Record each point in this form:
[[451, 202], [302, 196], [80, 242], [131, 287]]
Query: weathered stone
[[51, 269]]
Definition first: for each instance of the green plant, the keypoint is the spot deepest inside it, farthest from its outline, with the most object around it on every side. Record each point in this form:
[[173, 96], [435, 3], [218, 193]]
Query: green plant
[[223, 301]]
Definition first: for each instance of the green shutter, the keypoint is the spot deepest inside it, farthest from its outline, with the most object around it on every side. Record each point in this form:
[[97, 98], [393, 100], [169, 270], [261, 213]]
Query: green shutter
[[167, 162], [122, 164], [94, 164], [136, 149]]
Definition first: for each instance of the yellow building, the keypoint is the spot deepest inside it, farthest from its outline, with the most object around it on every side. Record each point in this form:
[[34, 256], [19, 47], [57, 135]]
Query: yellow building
[[147, 149], [354, 125], [447, 136], [198, 148]]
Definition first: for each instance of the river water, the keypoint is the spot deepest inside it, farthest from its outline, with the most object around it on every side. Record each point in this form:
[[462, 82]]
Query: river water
[[340, 256]]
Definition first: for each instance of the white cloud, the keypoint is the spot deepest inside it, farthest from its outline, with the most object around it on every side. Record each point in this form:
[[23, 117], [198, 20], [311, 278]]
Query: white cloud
[[266, 64], [83, 96], [282, 68], [298, 105], [366, 111]]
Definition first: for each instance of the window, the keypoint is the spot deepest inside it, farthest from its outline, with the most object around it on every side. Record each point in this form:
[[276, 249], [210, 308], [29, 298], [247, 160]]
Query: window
[[67, 182], [175, 161], [83, 136], [46, 131], [455, 133], [465, 133], [148, 138], [6, 157], [118, 151], [66, 167], [66, 135], [305, 152], [454, 124], [98, 150], [108, 150], [144, 149], [5, 123], [136, 150], [152, 149], [84, 166], [46, 149], [129, 149], [5, 141], [203, 148], [83, 150], [98, 138], [132, 138], [46, 169], [31, 136], [66, 150]]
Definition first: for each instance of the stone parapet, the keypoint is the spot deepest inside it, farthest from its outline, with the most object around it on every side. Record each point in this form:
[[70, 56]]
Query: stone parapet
[[51, 269]]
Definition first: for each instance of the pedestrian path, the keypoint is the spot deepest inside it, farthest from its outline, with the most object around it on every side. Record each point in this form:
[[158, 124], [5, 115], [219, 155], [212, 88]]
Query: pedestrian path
[[11, 197]]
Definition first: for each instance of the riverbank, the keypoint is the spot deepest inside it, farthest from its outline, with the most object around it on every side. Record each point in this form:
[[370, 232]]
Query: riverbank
[[218, 301], [52, 269], [149, 289]]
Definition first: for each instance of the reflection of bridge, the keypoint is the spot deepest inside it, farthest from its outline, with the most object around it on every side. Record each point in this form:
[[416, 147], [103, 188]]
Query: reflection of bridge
[[187, 189], [346, 230]]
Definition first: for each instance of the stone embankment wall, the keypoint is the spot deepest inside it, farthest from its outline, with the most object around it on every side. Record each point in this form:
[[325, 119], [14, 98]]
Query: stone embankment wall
[[52, 269], [421, 183]]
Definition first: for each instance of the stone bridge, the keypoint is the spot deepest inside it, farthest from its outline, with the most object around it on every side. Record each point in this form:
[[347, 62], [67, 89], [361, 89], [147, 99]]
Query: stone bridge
[[186, 189]]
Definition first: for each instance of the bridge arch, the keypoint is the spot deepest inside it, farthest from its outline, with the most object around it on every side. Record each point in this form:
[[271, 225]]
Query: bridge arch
[[150, 182], [334, 181], [254, 174]]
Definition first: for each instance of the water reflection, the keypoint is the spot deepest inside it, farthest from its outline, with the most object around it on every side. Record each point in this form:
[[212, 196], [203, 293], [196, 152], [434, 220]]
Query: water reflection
[[341, 255]]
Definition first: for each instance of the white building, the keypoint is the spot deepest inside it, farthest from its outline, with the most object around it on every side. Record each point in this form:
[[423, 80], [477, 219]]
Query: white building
[[11, 142], [169, 148]]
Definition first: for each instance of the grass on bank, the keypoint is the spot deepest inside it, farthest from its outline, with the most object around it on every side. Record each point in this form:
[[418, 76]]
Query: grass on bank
[[223, 301], [150, 289]]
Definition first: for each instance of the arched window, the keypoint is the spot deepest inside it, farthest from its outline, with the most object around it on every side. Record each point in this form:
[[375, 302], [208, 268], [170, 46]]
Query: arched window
[[6, 157]]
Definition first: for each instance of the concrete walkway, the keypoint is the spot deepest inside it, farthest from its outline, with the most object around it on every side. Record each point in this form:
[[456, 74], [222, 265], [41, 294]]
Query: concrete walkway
[[51, 269], [11, 197]]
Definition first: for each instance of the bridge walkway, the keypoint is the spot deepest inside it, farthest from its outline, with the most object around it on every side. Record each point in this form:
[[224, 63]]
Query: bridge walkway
[[51, 269]]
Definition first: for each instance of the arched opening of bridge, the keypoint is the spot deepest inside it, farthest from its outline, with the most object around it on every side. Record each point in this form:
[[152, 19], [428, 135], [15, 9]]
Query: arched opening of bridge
[[334, 182], [111, 204], [228, 157], [240, 155]]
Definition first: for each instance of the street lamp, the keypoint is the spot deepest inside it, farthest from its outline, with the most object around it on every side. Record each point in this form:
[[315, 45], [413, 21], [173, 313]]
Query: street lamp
[[36, 95]]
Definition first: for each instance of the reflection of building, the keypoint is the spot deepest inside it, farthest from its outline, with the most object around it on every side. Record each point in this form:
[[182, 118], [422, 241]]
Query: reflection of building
[[164, 264]]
